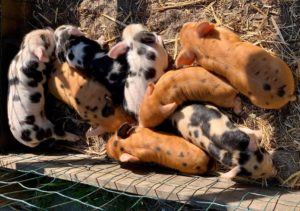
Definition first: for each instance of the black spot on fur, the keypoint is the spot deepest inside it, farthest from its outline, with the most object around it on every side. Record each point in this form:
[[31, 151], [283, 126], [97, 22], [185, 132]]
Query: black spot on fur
[[169, 152], [79, 62], [122, 149], [32, 83], [230, 125], [107, 111], [244, 158], [95, 116], [184, 164], [141, 51], [36, 97], [151, 55], [94, 109], [150, 73], [196, 133], [181, 154], [32, 72], [62, 86], [267, 87], [227, 159], [126, 84], [35, 128], [77, 101], [281, 91], [244, 173], [257, 73], [157, 149], [214, 151], [71, 56], [255, 167], [198, 167], [59, 130], [259, 156], [42, 113], [30, 119], [14, 81], [114, 77], [16, 98], [115, 143], [25, 135], [190, 133], [232, 140], [201, 117], [145, 37]]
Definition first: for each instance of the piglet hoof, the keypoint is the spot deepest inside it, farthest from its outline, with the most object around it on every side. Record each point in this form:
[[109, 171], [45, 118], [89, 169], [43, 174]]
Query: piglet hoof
[[231, 174], [237, 109]]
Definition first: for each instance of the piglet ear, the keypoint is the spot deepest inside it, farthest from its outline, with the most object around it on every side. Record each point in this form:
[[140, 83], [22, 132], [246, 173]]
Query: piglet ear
[[205, 28], [117, 50], [185, 57], [125, 130], [76, 32], [168, 109], [125, 157], [94, 131], [39, 52]]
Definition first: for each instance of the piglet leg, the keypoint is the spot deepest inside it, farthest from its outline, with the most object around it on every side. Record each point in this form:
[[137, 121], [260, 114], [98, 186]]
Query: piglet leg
[[237, 109], [232, 173]]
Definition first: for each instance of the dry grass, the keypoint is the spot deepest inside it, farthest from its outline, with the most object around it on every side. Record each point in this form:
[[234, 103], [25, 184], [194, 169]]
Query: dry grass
[[271, 24]]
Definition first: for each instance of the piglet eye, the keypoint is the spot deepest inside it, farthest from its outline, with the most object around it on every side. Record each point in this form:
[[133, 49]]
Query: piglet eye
[[124, 130]]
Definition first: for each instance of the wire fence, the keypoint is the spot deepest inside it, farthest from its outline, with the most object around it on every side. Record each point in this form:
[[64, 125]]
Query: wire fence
[[81, 182]]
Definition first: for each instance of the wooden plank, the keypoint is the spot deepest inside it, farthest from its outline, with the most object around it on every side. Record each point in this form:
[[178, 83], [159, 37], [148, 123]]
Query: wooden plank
[[201, 191]]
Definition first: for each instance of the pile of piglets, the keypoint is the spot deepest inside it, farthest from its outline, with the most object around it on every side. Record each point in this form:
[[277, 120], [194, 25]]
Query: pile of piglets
[[127, 91]]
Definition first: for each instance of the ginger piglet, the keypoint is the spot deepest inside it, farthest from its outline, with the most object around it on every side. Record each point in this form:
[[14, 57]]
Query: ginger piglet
[[130, 144], [89, 98], [265, 79], [187, 84]]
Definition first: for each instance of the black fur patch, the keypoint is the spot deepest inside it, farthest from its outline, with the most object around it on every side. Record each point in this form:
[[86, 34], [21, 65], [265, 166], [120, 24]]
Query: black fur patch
[[59, 130], [281, 91], [32, 83], [14, 81], [25, 135], [232, 140], [184, 164], [196, 133], [267, 87], [141, 51], [145, 37], [71, 55], [77, 101], [227, 158], [30, 119], [115, 143], [259, 156], [36, 97], [214, 151], [150, 73], [244, 172], [201, 117], [151, 56], [107, 111], [244, 158]]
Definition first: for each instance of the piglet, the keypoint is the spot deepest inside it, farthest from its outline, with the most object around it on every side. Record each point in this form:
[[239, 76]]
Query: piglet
[[208, 128], [147, 59], [265, 79], [88, 97], [131, 144], [27, 76], [176, 87], [91, 59]]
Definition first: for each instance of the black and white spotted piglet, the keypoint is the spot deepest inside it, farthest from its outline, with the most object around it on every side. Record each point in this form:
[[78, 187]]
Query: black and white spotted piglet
[[208, 128], [27, 76], [89, 57], [147, 59]]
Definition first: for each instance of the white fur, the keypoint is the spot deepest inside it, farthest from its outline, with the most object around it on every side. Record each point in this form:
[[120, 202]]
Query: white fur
[[19, 110], [134, 93]]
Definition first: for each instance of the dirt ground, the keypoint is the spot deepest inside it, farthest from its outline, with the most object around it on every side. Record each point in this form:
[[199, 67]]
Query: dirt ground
[[271, 24]]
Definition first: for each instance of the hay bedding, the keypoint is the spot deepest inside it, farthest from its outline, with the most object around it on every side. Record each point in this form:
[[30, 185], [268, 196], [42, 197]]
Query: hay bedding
[[273, 25]]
